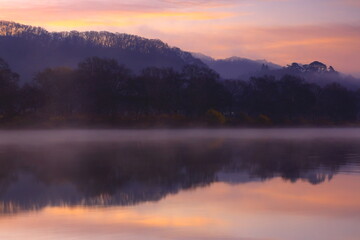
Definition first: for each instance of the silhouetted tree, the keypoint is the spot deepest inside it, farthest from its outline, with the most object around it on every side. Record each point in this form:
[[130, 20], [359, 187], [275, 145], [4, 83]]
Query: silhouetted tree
[[59, 90], [162, 89], [203, 91], [102, 83], [337, 103], [31, 99], [263, 96], [238, 91], [101, 89], [8, 90], [297, 98]]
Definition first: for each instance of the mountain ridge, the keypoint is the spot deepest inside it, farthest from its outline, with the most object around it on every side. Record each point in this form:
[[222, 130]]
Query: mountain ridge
[[235, 67], [19, 41], [30, 49]]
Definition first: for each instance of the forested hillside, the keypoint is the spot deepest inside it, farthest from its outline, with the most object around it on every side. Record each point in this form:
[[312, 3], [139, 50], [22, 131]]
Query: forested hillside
[[101, 92]]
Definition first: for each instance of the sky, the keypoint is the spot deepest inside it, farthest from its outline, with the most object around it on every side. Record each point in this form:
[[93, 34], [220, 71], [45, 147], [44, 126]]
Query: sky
[[281, 31]]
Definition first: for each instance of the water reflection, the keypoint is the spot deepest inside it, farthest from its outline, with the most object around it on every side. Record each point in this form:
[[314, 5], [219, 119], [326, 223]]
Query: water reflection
[[85, 172]]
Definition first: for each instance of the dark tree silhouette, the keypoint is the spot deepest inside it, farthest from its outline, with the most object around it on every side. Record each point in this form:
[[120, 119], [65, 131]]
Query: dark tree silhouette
[[203, 90], [263, 96], [297, 98], [102, 83], [162, 90], [104, 92], [337, 103], [59, 90], [8, 90]]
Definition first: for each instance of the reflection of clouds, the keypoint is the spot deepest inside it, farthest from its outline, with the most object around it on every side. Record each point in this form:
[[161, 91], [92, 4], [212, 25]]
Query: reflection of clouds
[[336, 199], [115, 223], [220, 211], [112, 168]]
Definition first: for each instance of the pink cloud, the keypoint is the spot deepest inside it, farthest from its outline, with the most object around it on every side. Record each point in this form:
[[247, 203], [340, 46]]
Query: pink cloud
[[246, 28], [337, 44]]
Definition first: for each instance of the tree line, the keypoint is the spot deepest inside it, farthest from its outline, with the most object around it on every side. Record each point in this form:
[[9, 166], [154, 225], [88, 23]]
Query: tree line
[[103, 92]]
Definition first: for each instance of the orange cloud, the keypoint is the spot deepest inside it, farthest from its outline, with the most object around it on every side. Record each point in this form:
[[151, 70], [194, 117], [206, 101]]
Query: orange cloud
[[334, 44]]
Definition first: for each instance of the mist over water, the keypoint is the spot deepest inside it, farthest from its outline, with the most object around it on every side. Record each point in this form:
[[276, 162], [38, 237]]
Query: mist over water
[[40, 137], [176, 184]]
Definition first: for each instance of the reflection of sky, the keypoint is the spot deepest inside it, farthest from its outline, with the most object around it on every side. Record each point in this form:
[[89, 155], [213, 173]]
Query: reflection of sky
[[278, 30], [170, 184], [258, 210]]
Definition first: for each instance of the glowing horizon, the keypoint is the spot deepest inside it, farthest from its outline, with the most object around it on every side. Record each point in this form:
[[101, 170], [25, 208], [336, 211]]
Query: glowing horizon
[[280, 31]]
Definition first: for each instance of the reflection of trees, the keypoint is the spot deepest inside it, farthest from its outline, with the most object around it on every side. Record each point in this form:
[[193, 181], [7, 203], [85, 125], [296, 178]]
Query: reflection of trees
[[129, 173], [292, 160], [105, 174]]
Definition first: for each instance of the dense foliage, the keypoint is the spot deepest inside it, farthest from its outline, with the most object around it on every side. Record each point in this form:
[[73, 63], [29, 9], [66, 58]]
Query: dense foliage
[[102, 92]]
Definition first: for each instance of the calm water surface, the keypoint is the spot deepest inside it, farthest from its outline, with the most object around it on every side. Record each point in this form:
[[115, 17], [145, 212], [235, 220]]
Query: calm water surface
[[278, 184]]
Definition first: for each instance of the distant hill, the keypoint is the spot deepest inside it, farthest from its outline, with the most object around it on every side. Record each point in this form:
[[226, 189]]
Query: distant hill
[[31, 49], [243, 69], [316, 72], [236, 67]]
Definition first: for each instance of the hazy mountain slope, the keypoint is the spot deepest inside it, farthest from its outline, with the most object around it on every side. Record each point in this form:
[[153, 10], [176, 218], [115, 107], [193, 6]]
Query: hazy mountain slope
[[317, 72], [235, 67], [30, 49], [242, 68]]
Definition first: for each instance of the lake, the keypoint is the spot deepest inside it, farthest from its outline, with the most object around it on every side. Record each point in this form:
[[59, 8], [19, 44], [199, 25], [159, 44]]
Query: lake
[[247, 184]]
